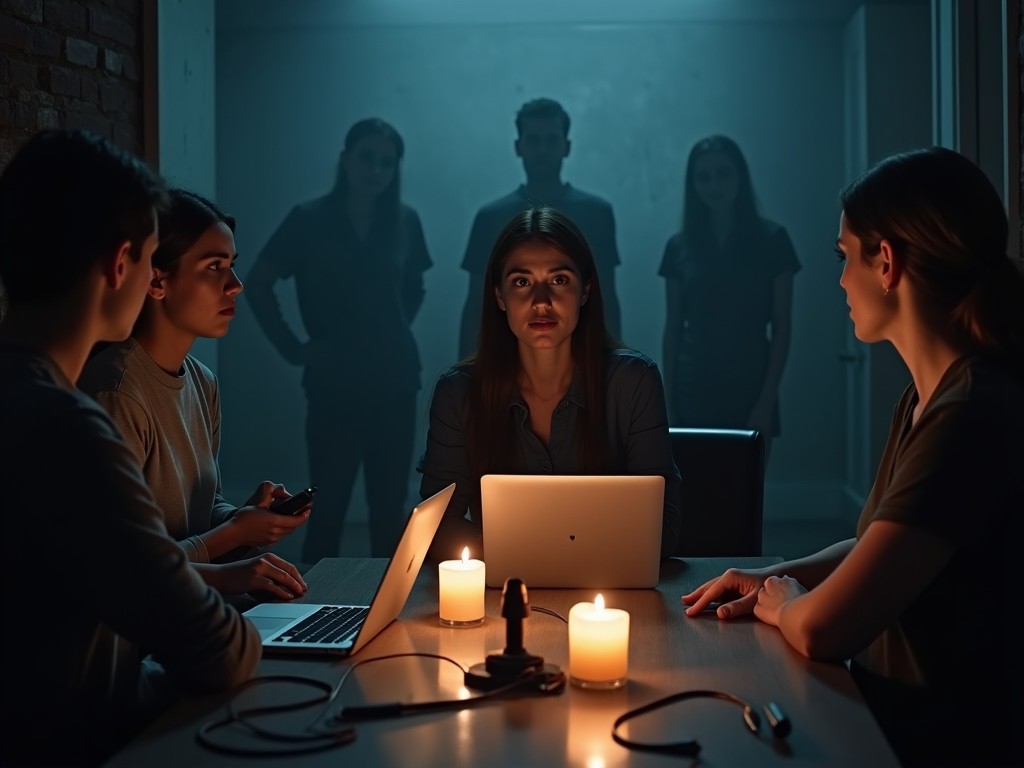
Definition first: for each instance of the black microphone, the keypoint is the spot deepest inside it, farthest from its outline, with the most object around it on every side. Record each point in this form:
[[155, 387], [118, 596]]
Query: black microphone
[[515, 662]]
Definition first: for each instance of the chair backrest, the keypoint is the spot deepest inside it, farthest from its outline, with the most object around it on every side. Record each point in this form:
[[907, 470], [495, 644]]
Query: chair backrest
[[722, 491]]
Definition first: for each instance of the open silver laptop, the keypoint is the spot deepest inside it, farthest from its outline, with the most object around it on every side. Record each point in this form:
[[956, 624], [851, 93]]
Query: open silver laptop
[[573, 530], [344, 629]]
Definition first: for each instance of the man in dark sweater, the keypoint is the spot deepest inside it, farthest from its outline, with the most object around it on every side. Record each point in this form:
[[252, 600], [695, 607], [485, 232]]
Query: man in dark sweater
[[107, 621]]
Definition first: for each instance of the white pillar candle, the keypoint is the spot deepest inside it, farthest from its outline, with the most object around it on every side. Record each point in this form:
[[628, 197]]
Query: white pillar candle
[[598, 645], [461, 585]]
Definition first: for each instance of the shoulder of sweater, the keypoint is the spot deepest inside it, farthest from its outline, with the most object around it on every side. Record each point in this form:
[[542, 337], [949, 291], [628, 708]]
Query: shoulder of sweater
[[200, 373], [107, 370], [117, 369]]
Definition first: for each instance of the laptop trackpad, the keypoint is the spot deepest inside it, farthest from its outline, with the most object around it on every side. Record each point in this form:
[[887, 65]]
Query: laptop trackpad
[[267, 624]]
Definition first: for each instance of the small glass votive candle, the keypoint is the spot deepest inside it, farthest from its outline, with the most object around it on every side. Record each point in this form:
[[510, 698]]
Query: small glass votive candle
[[461, 592], [598, 645]]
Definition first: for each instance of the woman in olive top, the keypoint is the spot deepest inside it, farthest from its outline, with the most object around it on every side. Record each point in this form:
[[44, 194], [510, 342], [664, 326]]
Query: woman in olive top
[[924, 599]]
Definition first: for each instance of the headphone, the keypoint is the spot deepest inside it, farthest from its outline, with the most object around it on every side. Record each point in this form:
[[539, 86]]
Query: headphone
[[777, 720]]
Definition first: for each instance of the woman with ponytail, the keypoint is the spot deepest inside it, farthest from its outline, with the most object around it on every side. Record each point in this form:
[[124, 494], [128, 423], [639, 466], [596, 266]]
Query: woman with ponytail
[[922, 601]]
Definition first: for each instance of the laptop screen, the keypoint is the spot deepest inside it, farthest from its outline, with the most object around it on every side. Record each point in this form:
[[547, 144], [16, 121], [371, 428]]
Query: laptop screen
[[600, 531]]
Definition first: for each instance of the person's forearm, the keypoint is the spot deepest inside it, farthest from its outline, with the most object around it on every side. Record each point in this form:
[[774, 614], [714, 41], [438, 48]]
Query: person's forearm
[[781, 325], [221, 540], [265, 307], [814, 569], [413, 293], [777, 354], [208, 571]]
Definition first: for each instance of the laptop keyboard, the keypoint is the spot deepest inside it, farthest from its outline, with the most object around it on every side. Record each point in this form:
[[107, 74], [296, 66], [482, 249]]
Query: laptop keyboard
[[330, 624]]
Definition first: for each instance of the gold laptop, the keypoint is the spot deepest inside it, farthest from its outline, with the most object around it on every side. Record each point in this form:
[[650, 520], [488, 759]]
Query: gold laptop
[[591, 531]]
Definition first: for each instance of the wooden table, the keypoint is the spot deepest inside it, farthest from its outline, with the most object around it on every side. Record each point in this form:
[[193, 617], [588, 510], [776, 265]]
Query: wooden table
[[668, 653]]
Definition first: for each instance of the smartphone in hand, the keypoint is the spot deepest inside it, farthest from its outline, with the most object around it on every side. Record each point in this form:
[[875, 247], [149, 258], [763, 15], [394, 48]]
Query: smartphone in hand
[[295, 503]]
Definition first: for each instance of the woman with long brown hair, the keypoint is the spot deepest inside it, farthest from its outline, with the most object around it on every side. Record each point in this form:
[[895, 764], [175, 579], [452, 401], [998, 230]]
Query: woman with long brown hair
[[548, 390]]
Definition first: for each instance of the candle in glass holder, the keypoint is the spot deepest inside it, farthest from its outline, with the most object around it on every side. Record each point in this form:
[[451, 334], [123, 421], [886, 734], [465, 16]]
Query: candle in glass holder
[[598, 645], [461, 598]]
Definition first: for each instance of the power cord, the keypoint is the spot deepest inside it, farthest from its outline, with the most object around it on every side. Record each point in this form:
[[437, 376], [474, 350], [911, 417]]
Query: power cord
[[321, 734], [777, 720], [310, 743], [549, 612], [512, 671]]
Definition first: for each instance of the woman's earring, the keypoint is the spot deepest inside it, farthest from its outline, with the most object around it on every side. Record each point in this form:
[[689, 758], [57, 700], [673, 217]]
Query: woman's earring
[[885, 291]]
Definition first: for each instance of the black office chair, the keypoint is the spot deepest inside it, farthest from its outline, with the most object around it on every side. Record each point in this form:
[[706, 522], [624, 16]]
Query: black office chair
[[722, 491]]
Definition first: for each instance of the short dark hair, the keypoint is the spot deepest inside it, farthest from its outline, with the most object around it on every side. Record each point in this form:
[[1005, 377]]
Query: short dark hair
[[66, 199], [542, 109], [183, 222]]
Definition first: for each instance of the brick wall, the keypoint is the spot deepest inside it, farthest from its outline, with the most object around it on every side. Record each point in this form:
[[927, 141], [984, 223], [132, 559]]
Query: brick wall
[[68, 64]]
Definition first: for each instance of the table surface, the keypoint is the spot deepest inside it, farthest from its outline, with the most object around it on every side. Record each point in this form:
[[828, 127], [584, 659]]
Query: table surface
[[668, 653]]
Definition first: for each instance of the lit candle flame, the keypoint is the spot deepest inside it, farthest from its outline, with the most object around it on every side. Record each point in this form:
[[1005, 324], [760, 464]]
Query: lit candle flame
[[465, 554], [599, 603]]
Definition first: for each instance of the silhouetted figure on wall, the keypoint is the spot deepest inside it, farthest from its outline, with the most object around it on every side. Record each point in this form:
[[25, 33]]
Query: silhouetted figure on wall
[[357, 256], [729, 287], [542, 145]]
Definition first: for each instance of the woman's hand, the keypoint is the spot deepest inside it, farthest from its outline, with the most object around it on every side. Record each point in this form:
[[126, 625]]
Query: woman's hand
[[254, 525], [775, 593], [745, 583], [259, 527], [266, 573]]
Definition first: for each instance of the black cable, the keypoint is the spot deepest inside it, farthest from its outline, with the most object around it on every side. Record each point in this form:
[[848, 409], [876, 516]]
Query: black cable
[[351, 668], [778, 721], [323, 741], [535, 682], [326, 737], [549, 612]]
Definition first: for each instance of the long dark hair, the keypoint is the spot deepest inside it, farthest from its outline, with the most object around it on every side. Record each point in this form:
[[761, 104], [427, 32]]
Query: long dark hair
[[387, 206], [948, 229], [496, 363], [696, 216]]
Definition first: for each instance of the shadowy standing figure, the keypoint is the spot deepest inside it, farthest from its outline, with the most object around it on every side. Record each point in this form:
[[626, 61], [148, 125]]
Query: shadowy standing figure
[[542, 144], [925, 599], [357, 256], [549, 391], [167, 405], [728, 296]]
